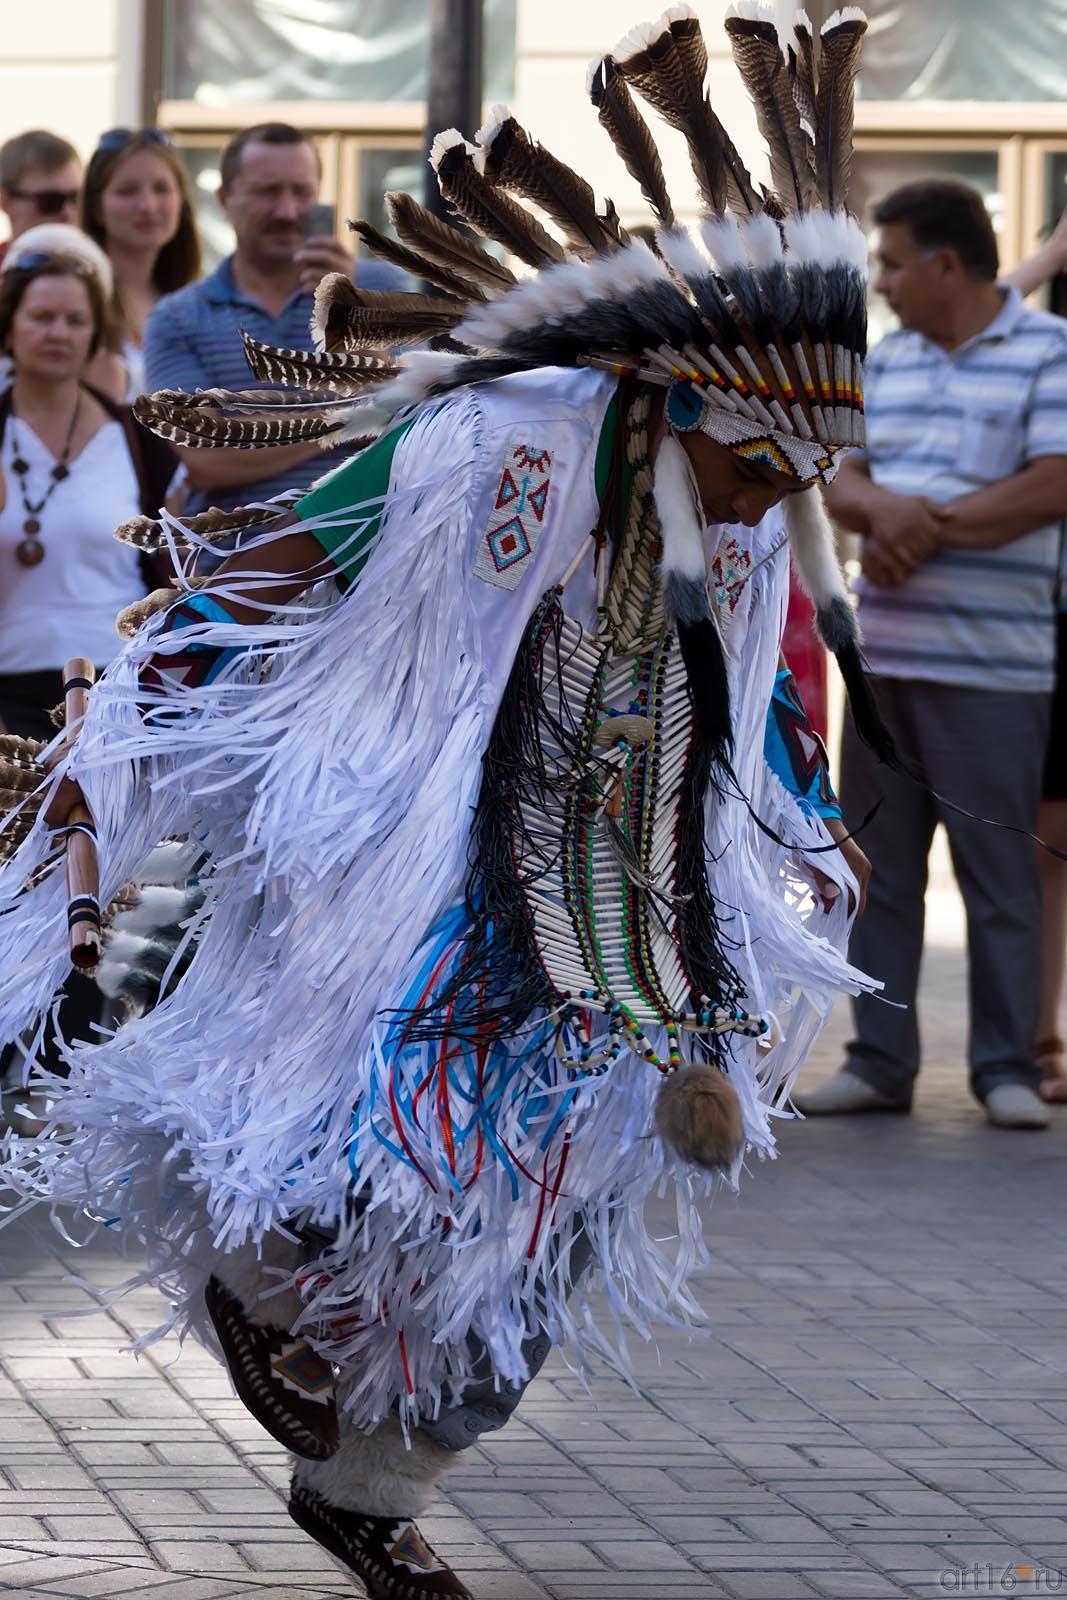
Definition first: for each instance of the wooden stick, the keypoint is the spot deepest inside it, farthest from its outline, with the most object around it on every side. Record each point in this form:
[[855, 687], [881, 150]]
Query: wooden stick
[[83, 867]]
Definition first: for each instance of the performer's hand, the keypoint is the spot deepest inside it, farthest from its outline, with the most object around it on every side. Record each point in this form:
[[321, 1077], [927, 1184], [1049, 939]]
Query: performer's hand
[[827, 890], [319, 255], [58, 809]]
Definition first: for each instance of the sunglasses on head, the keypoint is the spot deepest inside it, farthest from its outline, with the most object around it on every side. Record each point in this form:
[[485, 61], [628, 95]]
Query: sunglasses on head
[[49, 202], [33, 260], [117, 138]]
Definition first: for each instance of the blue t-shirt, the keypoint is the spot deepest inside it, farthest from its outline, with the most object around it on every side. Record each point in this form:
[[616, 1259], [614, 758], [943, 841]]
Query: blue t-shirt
[[193, 341]]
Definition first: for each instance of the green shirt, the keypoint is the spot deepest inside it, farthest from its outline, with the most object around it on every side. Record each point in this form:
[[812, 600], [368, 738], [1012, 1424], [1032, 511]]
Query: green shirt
[[364, 482]]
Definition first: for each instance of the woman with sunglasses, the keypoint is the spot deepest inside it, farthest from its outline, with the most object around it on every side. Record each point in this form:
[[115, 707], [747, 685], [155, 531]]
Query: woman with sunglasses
[[73, 465], [138, 205]]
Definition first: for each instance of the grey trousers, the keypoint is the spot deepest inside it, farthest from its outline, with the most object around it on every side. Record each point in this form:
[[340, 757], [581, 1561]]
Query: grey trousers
[[984, 750]]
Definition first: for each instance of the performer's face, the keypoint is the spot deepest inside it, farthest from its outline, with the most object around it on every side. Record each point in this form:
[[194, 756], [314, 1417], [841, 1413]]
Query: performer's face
[[733, 490]]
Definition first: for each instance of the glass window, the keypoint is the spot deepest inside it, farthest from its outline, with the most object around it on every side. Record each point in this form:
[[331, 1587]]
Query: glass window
[[255, 51], [379, 171], [964, 50]]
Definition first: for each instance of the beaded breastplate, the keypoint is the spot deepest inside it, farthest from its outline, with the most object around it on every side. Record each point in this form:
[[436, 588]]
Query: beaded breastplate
[[589, 894]]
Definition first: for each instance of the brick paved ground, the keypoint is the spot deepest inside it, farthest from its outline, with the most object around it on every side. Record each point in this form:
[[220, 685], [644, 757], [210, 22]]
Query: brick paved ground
[[881, 1406]]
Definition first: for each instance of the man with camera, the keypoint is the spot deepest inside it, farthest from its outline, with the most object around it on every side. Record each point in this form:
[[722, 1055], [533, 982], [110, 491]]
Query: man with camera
[[285, 245]]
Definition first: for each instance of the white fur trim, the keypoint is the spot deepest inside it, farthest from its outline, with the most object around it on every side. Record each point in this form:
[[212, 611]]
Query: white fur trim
[[377, 1473], [827, 238], [723, 242], [166, 863], [121, 952], [802, 20], [254, 1275], [422, 369], [681, 252], [160, 905], [323, 290], [591, 71], [751, 10], [638, 38], [845, 14], [488, 131], [446, 140], [675, 492], [811, 539], [560, 290], [763, 242]]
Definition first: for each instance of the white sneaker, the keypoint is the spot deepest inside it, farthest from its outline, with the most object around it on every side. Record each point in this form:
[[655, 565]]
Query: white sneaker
[[843, 1093], [1013, 1105]]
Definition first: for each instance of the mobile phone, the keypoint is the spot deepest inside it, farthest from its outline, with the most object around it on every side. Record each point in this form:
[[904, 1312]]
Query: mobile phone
[[320, 220]]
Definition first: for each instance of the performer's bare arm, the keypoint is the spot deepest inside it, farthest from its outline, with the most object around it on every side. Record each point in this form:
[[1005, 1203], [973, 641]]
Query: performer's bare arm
[[257, 580], [263, 577]]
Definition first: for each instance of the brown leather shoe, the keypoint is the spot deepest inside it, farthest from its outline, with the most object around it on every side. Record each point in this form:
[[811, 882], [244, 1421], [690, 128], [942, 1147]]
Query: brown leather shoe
[[388, 1554], [285, 1385]]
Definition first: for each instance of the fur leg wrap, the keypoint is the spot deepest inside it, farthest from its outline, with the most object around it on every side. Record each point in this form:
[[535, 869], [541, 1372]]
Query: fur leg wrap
[[377, 1473], [253, 1274], [814, 550]]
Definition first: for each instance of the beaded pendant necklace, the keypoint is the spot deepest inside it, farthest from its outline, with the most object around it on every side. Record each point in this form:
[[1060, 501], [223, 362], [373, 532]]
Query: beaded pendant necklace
[[30, 551]]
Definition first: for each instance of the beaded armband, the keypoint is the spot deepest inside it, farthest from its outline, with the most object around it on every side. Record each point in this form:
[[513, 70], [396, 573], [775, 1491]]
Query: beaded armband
[[190, 668], [795, 753]]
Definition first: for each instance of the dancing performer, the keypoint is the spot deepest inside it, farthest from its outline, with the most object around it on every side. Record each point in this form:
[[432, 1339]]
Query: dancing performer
[[518, 884]]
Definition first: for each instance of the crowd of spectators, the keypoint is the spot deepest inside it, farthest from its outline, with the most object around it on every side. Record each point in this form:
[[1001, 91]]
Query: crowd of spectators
[[958, 505]]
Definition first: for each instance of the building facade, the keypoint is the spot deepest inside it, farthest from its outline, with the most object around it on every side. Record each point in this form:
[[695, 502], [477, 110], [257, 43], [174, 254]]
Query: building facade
[[947, 88]]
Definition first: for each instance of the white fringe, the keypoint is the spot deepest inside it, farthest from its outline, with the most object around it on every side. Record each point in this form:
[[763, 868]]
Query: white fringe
[[329, 779]]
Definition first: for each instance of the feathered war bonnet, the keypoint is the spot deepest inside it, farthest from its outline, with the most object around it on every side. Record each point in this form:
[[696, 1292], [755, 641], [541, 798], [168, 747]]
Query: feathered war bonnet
[[756, 329]]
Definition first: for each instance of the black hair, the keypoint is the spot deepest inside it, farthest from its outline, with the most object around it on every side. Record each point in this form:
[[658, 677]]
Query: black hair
[[943, 214], [260, 133]]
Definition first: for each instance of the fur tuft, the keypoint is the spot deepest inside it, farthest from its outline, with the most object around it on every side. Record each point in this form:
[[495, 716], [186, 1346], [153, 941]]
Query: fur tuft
[[378, 1473], [827, 239], [723, 242], [682, 254], [811, 539], [496, 119], [752, 11], [698, 1116], [445, 141], [837, 625], [845, 14], [171, 862], [762, 239]]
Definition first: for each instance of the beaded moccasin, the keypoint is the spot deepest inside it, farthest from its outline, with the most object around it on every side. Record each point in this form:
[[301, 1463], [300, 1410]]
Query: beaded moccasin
[[388, 1554], [284, 1384]]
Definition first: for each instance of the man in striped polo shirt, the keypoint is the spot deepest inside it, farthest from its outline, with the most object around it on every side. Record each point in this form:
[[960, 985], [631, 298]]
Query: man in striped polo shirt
[[270, 179], [960, 499]]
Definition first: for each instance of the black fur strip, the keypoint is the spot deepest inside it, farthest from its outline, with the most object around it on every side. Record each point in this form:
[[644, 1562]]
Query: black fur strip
[[705, 670], [500, 981], [702, 941], [870, 724]]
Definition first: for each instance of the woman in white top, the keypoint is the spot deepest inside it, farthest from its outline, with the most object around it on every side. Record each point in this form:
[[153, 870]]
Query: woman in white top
[[72, 467], [67, 478], [138, 205]]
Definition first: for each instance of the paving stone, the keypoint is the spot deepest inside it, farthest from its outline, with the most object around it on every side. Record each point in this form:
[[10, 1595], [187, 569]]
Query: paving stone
[[881, 1400]]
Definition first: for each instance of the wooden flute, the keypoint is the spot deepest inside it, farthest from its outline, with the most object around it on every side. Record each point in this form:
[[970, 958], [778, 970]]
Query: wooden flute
[[83, 866]]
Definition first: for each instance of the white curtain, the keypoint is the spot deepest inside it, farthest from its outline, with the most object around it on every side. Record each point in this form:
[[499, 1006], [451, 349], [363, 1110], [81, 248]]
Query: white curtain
[[965, 50], [249, 51]]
